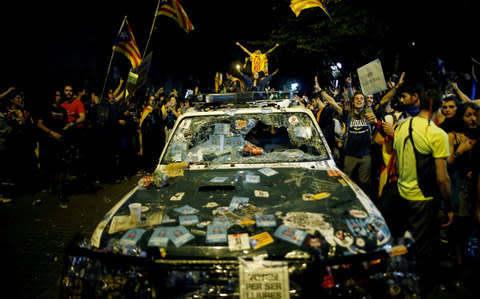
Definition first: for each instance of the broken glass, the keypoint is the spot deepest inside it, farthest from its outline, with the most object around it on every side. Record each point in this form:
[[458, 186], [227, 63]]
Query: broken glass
[[246, 138]]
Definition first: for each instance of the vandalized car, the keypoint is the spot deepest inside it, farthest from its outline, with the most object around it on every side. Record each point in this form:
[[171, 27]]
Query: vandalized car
[[246, 202]]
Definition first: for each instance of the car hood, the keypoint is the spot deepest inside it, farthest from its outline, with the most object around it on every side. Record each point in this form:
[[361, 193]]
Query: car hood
[[229, 213]]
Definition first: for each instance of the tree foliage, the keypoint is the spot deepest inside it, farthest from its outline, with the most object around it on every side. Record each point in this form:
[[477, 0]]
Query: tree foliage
[[314, 41]]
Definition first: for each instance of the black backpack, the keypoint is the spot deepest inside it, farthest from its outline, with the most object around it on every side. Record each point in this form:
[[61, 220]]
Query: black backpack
[[425, 166]]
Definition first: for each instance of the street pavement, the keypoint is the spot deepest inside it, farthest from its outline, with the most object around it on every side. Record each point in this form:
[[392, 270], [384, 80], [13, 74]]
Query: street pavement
[[36, 229]]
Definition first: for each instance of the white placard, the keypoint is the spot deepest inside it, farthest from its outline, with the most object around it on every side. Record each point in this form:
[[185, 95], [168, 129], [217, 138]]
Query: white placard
[[372, 79], [264, 279]]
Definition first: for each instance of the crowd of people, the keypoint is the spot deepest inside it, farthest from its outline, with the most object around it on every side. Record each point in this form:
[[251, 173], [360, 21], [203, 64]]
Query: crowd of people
[[78, 137], [413, 149], [379, 140]]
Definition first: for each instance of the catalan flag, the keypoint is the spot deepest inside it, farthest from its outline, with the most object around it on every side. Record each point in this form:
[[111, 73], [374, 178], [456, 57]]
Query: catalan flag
[[173, 9], [298, 5], [125, 43]]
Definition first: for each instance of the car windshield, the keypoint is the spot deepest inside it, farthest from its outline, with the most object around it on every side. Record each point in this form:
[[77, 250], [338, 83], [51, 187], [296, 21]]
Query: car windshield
[[246, 138]]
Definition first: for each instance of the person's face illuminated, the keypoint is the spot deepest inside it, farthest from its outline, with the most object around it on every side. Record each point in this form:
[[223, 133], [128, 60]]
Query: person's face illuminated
[[369, 100], [358, 101], [68, 91], [470, 118], [449, 108]]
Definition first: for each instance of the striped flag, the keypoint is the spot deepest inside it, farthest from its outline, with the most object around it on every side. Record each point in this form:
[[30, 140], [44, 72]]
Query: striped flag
[[125, 43], [298, 5], [173, 9]]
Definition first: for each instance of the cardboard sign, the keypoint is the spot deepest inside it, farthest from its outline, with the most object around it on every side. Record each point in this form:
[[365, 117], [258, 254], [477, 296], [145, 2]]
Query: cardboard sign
[[264, 279], [372, 79]]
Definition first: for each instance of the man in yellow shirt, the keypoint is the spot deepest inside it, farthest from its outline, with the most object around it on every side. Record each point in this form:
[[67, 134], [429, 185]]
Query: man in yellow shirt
[[421, 205], [258, 60]]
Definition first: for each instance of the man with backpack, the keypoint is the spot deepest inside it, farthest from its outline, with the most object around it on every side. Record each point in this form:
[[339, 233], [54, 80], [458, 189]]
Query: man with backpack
[[423, 183]]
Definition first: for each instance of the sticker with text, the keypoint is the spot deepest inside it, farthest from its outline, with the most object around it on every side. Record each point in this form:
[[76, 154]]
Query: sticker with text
[[260, 240], [290, 234], [266, 220], [216, 234], [179, 235], [188, 219], [238, 242], [159, 237]]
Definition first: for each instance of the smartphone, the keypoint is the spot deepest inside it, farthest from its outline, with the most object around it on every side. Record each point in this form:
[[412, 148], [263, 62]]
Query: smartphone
[[368, 110]]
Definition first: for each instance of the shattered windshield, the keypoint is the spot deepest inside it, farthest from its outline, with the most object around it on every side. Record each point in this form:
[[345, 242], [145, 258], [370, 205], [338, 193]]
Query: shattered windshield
[[246, 138]]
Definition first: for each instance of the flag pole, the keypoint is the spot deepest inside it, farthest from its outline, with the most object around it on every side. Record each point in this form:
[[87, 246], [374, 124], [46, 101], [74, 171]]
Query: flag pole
[[151, 30], [110, 63]]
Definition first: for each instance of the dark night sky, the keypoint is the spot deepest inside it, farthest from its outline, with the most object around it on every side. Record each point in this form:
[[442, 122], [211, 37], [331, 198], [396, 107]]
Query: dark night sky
[[46, 45]]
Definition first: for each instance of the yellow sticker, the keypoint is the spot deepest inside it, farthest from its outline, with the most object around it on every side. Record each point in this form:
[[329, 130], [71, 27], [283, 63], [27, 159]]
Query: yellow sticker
[[260, 240], [322, 195], [240, 124], [246, 221]]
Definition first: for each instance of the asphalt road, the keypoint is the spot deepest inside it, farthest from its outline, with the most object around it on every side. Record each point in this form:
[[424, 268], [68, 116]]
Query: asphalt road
[[35, 231], [34, 236]]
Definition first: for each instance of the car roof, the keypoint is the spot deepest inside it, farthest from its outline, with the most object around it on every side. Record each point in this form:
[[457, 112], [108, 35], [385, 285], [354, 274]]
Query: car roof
[[220, 101]]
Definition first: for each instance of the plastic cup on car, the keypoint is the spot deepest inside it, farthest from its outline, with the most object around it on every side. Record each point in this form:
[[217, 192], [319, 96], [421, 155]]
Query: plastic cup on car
[[135, 211]]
